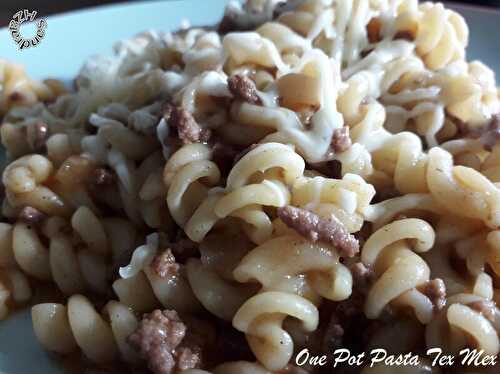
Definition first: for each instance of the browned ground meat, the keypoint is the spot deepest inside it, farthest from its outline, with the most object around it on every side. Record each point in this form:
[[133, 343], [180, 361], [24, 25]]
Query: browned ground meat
[[315, 228], [188, 130], [31, 215], [243, 88], [486, 307], [436, 291], [159, 339], [341, 141], [187, 358], [164, 264]]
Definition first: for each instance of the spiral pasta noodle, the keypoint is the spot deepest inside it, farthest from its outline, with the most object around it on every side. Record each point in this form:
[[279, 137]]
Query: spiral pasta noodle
[[141, 288], [383, 248], [77, 325], [78, 254], [457, 320], [241, 198], [268, 340]]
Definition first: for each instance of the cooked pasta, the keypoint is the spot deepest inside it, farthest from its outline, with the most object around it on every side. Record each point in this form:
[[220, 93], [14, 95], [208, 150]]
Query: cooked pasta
[[314, 174], [390, 258], [63, 329], [254, 182], [18, 89], [459, 322]]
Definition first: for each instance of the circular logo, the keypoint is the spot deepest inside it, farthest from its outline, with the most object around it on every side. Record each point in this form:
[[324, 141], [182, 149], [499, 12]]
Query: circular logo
[[15, 28]]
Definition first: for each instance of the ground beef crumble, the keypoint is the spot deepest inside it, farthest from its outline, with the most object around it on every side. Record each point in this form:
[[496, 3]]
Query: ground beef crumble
[[243, 88], [435, 290], [315, 228], [161, 341], [164, 264], [188, 130]]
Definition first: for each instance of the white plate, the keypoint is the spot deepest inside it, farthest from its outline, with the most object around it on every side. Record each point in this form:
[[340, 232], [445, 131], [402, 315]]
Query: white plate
[[72, 37]]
